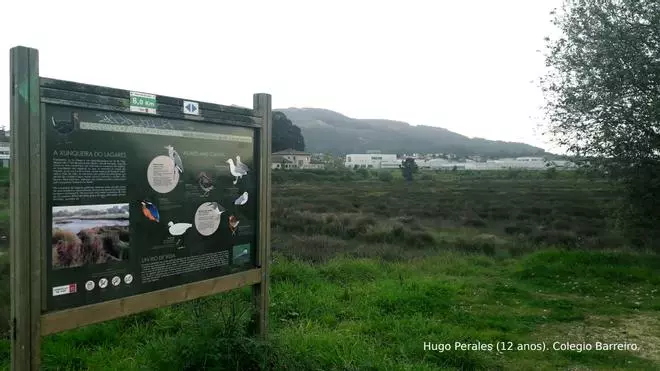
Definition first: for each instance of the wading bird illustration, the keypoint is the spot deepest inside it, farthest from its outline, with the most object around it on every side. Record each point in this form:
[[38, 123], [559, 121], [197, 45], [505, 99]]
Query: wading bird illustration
[[238, 173], [205, 183], [150, 211], [241, 165], [233, 224], [174, 156], [242, 199]]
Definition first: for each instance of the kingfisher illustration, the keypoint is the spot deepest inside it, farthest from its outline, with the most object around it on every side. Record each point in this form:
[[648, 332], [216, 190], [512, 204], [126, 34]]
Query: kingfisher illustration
[[150, 211]]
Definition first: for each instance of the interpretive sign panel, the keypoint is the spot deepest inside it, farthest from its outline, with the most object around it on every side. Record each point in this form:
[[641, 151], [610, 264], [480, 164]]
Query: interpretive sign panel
[[144, 203], [125, 201]]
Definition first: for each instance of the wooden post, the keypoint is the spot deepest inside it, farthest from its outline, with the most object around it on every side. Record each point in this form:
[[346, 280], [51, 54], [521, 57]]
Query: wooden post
[[26, 209], [262, 104]]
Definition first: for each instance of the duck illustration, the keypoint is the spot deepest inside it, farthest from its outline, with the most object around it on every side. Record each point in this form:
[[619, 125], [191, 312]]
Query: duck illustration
[[236, 172], [242, 199], [233, 224], [179, 228], [174, 156], [150, 211]]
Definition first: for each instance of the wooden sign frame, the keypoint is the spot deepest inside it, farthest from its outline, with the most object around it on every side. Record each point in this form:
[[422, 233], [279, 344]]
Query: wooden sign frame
[[28, 221]]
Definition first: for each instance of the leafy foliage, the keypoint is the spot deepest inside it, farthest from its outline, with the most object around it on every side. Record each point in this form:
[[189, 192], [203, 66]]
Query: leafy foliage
[[285, 134], [603, 97]]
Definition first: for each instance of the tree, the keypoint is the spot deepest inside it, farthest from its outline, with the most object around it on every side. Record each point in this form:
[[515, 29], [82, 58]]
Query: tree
[[603, 97], [408, 168], [285, 134]]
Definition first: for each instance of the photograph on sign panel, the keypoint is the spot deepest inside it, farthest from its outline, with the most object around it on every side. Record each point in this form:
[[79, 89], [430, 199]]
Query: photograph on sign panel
[[241, 254], [90, 234]]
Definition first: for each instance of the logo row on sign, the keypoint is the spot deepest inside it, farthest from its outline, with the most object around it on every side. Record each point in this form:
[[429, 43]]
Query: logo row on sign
[[90, 285]]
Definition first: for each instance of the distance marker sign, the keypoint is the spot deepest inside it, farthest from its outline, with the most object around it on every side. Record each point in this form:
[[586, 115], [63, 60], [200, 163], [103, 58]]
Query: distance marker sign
[[144, 103]]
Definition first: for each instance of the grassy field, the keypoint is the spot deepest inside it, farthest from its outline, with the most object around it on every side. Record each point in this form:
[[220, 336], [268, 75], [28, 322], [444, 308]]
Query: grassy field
[[367, 268]]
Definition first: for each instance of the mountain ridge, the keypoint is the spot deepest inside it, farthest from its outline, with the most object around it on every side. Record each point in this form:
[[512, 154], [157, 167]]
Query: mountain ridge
[[329, 131]]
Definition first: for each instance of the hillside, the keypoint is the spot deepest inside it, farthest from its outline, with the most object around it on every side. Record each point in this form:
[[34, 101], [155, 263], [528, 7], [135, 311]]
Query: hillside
[[332, 132]]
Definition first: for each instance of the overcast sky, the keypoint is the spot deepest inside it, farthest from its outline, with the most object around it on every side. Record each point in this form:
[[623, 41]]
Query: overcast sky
[[468, 66]]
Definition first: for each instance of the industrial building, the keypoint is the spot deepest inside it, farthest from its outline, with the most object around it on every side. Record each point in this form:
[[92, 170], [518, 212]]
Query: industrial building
[[372, 161]]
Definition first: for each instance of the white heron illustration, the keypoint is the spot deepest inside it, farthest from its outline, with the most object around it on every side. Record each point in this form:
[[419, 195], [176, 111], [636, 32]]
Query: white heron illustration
[[172, 153], [242, 199], [236, 172]]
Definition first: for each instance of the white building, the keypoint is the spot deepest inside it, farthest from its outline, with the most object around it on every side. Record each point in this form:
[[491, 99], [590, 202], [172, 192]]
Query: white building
[[292, 159], [527, 163], [4, 154], [372, 161]]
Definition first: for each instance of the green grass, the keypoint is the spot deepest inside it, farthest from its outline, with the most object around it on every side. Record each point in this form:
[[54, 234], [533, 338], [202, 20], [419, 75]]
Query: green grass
[[366, 271]]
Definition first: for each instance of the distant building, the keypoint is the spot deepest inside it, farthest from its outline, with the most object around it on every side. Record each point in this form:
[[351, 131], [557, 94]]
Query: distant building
[[524, 163], [372, 161], [4, 154], [293, 159]]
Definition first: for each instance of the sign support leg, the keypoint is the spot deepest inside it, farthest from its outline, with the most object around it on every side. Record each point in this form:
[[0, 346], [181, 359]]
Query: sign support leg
[[260, 294], [26, 217]]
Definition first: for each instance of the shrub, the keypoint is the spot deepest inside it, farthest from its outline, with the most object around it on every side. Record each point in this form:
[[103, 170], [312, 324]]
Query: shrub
[[385, 176]]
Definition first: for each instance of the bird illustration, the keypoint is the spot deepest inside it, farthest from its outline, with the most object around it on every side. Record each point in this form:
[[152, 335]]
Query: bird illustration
[[241, 165], [150, 211], [216, 207], [236, 172], [179, 228], [61, 126], [178, 164], [242, 199], [205, 183], [233, 224]]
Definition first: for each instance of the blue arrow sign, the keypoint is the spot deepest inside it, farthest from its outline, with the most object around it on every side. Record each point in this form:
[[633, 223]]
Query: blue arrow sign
[[191, 108]]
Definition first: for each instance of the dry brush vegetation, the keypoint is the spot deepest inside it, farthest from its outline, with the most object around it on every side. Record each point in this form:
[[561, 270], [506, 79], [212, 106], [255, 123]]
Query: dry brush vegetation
[[366, 268]]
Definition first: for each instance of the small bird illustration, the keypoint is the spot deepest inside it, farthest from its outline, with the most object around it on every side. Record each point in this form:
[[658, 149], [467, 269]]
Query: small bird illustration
[[179, 228], [242, 199], [205, 183], [61, 126], [238, 173], [241, 165], [174, 155], [150, 211], [233, 224], [216, 207]]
